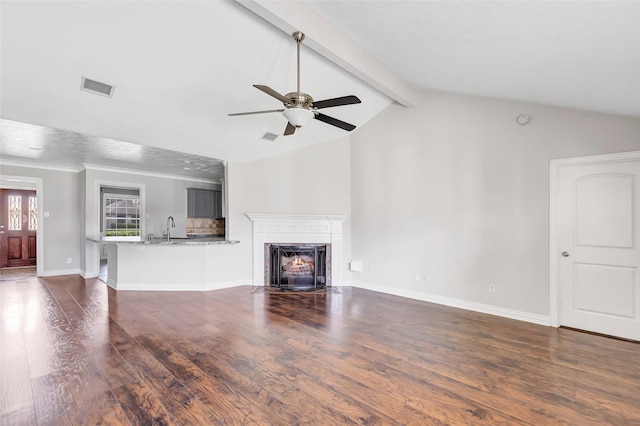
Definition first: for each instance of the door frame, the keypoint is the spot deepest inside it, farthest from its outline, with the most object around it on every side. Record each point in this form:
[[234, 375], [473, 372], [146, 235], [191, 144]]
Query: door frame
[[554, 249], [31, 183]]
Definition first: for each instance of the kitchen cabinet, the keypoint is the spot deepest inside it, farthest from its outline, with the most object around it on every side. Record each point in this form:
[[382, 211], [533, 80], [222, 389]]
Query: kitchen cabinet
[[204, 203]]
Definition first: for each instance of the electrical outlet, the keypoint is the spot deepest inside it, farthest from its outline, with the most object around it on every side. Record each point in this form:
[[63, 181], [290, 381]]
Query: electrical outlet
[[355, 266], [492, 288], [69, 260], [418, 277]]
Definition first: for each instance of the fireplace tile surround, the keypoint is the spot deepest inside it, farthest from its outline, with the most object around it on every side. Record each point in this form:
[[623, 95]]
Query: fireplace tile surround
[[296, 229]]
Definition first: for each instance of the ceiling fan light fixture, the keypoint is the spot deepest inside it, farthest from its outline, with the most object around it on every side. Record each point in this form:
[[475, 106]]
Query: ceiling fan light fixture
[[298, 116]]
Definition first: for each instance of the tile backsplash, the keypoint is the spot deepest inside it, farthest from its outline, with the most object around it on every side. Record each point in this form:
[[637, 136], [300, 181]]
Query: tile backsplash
[[205, 227]]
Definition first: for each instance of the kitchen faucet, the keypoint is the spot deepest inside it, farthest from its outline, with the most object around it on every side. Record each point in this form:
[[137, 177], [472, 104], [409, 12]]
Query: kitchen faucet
[[173, 225]]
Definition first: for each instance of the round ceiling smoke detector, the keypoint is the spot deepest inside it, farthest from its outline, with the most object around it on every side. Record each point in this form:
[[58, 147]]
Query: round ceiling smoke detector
[[523, 119]]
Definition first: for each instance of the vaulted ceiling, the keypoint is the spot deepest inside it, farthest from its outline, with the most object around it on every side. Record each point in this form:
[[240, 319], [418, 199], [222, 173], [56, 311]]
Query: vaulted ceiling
[[180, 67]]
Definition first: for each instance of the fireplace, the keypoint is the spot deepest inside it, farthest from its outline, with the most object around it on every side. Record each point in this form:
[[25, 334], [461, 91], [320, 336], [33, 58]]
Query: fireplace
[[298, 266], [295, 233]]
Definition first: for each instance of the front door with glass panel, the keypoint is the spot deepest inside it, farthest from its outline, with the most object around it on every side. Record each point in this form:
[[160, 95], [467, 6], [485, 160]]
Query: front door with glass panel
[[18, 226]]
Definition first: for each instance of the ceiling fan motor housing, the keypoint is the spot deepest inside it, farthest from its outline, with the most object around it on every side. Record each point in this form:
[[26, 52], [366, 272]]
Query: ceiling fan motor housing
[[299, 99]]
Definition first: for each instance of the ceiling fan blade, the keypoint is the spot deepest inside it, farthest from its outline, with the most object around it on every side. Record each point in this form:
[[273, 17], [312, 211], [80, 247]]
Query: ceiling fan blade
[[290, 129], [255, 112], [334, 122], [344, 100], [269, 91]]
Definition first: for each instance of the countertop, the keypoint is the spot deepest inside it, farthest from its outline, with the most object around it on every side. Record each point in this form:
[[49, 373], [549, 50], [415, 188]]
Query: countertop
[[164, 242]]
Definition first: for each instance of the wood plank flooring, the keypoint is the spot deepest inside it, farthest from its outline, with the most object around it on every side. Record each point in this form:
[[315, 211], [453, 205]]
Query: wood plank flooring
[[77, 352]]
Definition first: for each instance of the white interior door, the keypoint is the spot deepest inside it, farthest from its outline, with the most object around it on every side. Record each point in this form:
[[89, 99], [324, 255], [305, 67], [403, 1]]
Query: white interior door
[[598, 233]]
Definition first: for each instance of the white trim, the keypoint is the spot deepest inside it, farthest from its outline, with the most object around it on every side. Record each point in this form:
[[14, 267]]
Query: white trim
[[145, 173], [103, 207], [554, 166], [553, 243], [600, 158], [39, 188], [111, 283], [97, 185], [43, 166], [59, 272], [17, 183], [457, 303], [150, 286]]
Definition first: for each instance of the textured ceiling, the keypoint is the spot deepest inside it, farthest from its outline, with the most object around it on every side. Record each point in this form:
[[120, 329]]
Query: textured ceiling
[[37, 144], [179, 67]]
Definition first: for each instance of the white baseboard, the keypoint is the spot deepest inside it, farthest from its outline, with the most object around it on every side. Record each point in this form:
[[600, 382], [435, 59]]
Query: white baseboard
[[111, 283], [53, 273], [86, 275], [457, 303], [176, 287]]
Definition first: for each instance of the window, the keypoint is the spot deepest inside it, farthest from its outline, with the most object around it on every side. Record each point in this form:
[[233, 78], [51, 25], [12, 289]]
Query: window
[[33, 214], [121, 215], [15, 212]]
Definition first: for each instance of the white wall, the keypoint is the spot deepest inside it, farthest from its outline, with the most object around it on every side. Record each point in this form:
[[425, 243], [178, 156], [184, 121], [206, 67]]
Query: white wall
[[314, 180], [456, 191], [61, 228]]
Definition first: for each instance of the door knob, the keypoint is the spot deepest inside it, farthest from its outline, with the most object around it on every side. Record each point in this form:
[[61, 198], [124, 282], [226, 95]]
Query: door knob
[[565, 254]]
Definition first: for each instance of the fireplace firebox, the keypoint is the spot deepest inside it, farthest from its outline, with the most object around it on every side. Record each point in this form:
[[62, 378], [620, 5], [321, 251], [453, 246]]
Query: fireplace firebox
[[298, 267]]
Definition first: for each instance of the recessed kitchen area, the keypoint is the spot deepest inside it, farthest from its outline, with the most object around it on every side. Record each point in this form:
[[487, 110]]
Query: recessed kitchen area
[[139, 203], [155, 232]]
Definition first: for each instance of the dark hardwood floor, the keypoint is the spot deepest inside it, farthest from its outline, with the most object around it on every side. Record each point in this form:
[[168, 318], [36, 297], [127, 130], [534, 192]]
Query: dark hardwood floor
[[76, 352]]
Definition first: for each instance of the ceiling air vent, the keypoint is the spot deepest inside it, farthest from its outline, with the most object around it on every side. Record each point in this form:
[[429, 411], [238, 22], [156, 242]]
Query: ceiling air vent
[[269, 137], [96, 87]]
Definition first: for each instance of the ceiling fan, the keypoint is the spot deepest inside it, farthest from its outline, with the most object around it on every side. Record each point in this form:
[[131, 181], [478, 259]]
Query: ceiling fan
[[299, 107]]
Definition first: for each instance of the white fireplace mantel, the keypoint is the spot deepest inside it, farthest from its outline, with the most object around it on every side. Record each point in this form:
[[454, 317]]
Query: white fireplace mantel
[[296, 229]]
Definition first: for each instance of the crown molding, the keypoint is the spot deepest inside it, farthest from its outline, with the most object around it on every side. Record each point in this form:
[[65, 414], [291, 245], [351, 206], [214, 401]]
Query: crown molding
[[86, 166], [97, 167], [44, 166]]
